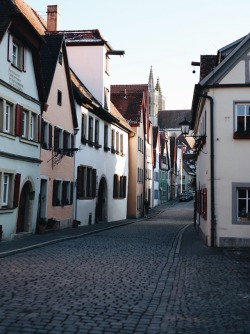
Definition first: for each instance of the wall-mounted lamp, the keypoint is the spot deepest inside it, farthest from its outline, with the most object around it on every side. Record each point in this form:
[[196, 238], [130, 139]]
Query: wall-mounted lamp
[[185, 127]]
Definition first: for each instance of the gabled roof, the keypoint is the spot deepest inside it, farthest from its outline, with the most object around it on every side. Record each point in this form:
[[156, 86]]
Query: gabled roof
[[49, 59], [130, 105], [32, 16], [118, 115], [238, 49], [12, 11], [132, 89], [84, 37], [170, 119]]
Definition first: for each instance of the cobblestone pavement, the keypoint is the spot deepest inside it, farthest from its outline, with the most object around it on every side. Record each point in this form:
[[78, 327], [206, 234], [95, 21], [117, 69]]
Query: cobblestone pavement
[[153, 276]]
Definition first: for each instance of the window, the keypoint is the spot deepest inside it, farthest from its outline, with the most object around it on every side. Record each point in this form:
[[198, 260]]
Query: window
[[96, 132], [58, 140], [107, 64], [106, 98], [113, 141], [46, 135], [117, 142], [119, 186], [24, 124], [66, 143], [57, 193], [241, 203], [16, 53], [6, 182], [62, 193], [106, 148], [90, 130], [86, 182], [6, 117], [83, 129], [59, 97], [121, 144], [32, 127], [67, 193], [242, 120], [9, 189]]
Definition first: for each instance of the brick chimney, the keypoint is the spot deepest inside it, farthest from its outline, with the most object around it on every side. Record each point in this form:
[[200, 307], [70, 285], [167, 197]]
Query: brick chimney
[[53, 18]]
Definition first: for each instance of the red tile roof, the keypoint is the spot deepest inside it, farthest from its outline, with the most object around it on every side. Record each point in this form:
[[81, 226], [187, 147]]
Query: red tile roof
[[129, 105]]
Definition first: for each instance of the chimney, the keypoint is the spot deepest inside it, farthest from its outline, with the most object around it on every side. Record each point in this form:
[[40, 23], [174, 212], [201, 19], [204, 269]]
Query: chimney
[[53, 18]]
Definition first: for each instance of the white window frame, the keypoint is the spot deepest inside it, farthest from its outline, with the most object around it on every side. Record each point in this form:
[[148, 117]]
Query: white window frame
[[7, 118], [5, 189], [244, 114]]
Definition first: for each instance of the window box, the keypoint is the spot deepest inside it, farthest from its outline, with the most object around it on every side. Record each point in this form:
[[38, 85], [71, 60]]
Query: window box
[[241, 135]]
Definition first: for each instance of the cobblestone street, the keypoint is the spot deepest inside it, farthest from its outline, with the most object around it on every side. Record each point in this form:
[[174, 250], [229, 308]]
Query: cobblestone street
[[152, 276]]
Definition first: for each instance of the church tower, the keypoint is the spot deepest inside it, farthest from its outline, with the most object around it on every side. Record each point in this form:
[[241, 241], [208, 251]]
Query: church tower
[[153, 99], [161, 98]]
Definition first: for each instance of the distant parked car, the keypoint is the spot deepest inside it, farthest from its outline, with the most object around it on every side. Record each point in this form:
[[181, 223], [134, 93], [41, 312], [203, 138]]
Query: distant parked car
[[184, 198]]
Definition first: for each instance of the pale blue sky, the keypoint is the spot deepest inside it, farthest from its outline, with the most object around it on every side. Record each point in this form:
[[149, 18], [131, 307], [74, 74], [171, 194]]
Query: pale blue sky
[[164, 34]]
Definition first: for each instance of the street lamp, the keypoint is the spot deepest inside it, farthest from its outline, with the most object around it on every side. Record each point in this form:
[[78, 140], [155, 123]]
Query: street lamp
[[185, 127]]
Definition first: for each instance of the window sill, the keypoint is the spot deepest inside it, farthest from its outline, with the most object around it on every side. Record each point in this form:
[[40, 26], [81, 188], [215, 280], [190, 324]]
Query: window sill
[[7, 135], [6, 210], [97, 146], [29, 142], [241, 135]]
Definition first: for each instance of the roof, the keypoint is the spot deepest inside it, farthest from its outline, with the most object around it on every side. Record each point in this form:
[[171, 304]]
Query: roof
[[11, 11], [132, 89], [129, 105], [49, 58], [118, 115], [236, 52], [84, 37], [170, 119], [84, 96], [32, 16]]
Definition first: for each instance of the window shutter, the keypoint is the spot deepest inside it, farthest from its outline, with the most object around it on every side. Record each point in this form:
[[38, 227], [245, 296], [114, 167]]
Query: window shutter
[[54, 197], [79, 181], [19, 116], [16, 190], [65, 135], [93, 183], [64, 192], [24, 59], [56, 139], [124, 180], [71, 192], [72, 137], [115, 186], [40, 129], [50, 137], [10, 48]]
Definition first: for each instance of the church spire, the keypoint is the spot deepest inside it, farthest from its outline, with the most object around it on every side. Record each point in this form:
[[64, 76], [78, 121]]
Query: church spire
[[151, 79], [158, 86]]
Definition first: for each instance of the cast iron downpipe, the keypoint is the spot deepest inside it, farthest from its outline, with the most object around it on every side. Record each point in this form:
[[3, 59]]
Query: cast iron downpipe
[[211, 167]]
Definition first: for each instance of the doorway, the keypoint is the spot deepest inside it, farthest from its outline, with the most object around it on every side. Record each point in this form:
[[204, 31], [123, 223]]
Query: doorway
[[101, 206], [25, 208]]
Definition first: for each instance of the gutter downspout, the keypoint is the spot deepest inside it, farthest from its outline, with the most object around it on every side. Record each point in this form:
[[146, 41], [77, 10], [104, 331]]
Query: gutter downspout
[[211, 167]]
